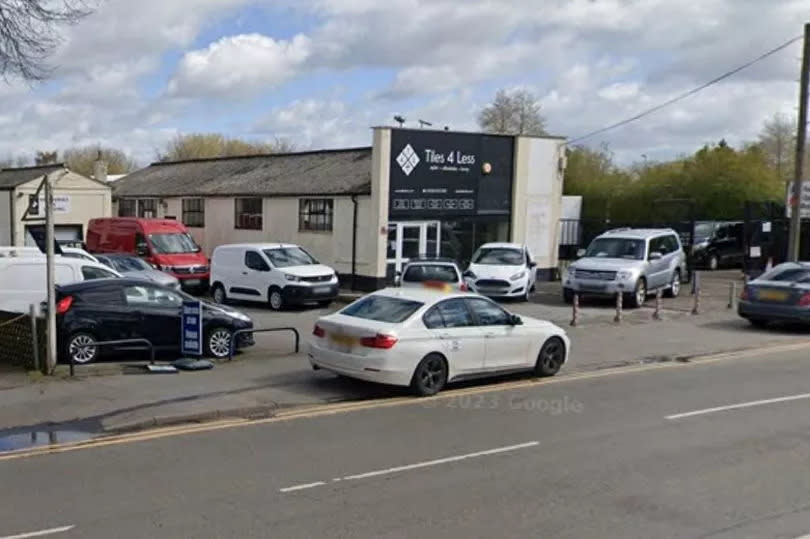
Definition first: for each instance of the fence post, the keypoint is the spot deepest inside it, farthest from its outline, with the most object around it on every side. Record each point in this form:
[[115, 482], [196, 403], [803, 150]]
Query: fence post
[[732, 293], [657, 312], [575, 309], [618, 318], [696, 307], [32, 312]]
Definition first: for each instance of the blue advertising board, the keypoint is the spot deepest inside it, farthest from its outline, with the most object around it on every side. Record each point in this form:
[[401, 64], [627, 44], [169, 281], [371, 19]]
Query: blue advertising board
[[191, 327]]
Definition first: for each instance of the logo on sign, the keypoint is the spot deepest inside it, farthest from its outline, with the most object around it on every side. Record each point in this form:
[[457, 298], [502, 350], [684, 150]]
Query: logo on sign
[[407, 159]]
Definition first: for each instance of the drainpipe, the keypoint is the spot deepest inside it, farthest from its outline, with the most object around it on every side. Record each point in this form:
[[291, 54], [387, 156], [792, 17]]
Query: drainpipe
[[354, 242]]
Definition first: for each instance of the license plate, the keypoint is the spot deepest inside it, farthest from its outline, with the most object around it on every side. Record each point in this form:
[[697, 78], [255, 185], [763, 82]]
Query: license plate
[[342, 343], [322, 290], [772, 295], [192, 282]]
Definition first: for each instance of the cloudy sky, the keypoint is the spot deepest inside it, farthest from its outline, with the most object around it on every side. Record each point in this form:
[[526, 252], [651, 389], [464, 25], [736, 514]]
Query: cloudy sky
[[320, 72]]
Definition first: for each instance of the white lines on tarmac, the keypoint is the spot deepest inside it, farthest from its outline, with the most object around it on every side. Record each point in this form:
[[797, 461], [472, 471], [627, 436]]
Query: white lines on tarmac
[[415, 466], [40, 533], [737, 406]]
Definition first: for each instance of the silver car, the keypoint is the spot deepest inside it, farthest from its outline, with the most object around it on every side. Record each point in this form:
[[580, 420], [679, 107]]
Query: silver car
[[439, 273], [132, 266], [634, 262]]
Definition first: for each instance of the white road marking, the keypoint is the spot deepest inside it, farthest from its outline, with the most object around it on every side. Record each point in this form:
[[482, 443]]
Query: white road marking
[[740, 405], [803, 537], [296, 487], [40, 533]]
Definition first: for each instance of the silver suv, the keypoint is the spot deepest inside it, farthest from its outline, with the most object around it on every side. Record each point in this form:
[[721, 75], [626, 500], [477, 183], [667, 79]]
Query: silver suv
[[633, 261]]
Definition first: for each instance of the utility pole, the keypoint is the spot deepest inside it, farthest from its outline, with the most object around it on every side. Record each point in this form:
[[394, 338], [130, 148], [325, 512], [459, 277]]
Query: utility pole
[[49, 239], [801, 137]]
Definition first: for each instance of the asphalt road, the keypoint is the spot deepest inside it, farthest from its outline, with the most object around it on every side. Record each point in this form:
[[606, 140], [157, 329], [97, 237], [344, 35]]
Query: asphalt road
[[605, 455]]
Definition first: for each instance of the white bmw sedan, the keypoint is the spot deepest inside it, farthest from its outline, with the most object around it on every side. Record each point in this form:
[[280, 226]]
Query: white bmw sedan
[[423, 339]]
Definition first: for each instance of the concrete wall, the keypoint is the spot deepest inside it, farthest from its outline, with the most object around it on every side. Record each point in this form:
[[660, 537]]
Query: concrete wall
[[380, 182], [537, 197], [5, 217], [88, 200]]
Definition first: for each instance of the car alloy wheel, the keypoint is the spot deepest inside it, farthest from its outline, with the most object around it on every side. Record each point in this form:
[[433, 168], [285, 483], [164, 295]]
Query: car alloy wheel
[[219, 294], [551, 357], [81, 348], [675, 285], [430, 375], [713, 263], [276, 300], [219, 343], [639, 295]]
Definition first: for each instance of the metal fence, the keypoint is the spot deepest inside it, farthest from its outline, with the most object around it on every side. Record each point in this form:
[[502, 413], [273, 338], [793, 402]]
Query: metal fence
[[17, 341]]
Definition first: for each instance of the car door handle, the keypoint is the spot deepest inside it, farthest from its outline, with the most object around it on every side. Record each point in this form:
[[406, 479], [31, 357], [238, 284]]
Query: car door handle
[[244, 273], [489, 335]]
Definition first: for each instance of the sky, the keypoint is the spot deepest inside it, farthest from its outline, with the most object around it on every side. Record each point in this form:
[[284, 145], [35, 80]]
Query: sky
[[135, 74]]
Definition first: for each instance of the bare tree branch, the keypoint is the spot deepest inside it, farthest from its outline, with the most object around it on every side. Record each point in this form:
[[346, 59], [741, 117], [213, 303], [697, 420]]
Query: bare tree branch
[[513, 113]]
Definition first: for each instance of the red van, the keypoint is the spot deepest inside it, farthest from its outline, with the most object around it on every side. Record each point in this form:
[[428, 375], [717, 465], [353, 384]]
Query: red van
[[164, 243]]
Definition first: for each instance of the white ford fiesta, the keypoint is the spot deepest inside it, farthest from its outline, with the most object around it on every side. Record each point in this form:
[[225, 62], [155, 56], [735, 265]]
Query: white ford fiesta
[[423, 339]]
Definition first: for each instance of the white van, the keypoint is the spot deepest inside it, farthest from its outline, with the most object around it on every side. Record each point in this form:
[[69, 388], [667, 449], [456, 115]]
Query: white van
[[23, 278], [278, 273], [68, 252]]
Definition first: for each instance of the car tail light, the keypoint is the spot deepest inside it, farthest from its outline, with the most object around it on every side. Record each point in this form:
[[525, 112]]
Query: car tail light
[[379, 341], [64, 304], [746, 293], [318, 331], [804, 300], [464, 287]]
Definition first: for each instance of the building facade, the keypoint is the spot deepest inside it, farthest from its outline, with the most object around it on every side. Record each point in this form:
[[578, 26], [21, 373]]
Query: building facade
[[77, 199], [366, 211]]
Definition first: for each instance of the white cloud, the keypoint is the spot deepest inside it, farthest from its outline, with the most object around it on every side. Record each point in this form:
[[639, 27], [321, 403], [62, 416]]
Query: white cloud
[[239, 65], [618, 91]]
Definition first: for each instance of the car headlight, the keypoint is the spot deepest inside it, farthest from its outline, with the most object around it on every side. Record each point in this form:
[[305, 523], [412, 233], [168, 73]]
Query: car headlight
[[624, 275], [517, 276], [240, 316], [292, 278]]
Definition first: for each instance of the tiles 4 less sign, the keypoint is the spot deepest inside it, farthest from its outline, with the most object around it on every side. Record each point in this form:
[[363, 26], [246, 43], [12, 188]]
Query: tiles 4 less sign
[[437, 174]]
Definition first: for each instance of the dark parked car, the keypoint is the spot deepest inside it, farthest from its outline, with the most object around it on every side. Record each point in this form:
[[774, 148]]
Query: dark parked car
[[117, 309], [723, 246], [779, 295]]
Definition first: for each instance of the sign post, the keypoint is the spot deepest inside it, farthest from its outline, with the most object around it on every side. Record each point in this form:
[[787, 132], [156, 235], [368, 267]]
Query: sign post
[[191, 329]]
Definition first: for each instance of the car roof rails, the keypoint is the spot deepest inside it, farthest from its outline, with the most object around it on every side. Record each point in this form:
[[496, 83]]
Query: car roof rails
[[437, 259]]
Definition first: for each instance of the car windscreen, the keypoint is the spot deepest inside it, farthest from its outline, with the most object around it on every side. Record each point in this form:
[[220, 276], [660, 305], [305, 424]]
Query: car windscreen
[[173, 243], [703, 231], [499, 256], [285, 257], [430, 272], [616, 248], [786, 273], [382, 309], [124, 264]]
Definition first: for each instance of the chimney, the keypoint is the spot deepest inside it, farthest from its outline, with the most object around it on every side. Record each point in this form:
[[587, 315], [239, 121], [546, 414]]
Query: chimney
[[100, 169]]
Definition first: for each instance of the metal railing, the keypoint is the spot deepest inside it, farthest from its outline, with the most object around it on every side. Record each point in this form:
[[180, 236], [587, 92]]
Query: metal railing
[[149, 346], [267, 330]]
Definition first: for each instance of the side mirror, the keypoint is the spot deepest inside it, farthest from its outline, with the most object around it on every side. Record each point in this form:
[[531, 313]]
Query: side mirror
[[532, 264], [655, 255], [468, 274], [580, 253], [142, 250], [515, 320]]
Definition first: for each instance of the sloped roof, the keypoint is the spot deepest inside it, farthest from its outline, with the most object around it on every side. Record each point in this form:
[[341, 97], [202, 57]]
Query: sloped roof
[[14, 177], [323, 172]]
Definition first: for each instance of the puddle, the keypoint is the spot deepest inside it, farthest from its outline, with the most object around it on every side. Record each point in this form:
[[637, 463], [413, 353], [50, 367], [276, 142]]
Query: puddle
[[13, 441]]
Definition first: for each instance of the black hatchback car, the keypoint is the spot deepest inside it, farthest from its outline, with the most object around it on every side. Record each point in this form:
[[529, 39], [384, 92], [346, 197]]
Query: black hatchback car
[[119, 309]]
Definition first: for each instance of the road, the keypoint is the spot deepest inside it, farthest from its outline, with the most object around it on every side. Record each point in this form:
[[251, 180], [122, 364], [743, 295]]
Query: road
[[715, 449]]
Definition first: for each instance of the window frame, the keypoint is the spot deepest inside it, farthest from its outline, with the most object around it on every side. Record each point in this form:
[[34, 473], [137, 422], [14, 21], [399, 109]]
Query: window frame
[[252, 220], [477, 319], [193, 217], [133, 212], [153, 208], [266, 266], [315, 219], [437, 308]]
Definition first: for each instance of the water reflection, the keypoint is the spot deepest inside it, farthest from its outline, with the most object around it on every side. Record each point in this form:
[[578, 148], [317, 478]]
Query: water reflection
[[11, 441]]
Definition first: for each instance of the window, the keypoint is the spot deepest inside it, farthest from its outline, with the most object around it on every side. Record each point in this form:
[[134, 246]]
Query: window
[[254, 261], [285, 257], [248, 213], [92, 272], [102, 295], [672, 243], [173, 243], [488, 313], [659, 245], [127, 207], [149, 296], [194, 212], [127, 263], [141, 247], [417, 273], [616, 248], [499, 256], [455, 314], [433, 319], [147, 208], [382, 309], [315, 214]]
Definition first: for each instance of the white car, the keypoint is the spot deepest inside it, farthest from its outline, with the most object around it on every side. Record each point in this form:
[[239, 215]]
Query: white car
[[423, 339], [67, 252], [502, 270], [277, 273], [439, 273]]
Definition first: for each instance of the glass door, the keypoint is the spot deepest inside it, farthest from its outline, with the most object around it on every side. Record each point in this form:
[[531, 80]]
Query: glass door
[[412, 239]]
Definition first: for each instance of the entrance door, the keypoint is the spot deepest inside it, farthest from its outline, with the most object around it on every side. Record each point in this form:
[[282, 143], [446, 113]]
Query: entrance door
[[412, 239]]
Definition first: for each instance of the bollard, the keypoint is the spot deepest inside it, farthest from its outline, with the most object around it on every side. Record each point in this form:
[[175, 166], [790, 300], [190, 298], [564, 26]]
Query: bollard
[[696, 307], [575, 309], [657, 311], [32, 312], [732, 294], [618, 317]]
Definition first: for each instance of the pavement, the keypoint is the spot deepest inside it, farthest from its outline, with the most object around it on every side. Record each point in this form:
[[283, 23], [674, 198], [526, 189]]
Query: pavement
[[268, 378], [716, 449]]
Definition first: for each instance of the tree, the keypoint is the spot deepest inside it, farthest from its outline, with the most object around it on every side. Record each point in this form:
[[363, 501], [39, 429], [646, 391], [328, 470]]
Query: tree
[[29, 34], [778, 141], [83, 160], [46, 158], [207, 145], [512, 113], [592, 174]]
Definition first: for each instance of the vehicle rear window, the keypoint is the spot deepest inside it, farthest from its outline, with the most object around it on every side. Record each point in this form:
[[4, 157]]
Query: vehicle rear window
[[790, 274], [102, 296], [430, 272], [383, 309]]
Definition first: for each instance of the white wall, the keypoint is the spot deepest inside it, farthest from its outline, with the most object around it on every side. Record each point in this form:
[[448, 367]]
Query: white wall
[[5, 217], [88, 200], [537, 197]]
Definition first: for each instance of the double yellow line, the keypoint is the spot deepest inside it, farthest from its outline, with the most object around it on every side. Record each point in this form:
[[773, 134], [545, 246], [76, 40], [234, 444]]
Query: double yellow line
[[342, 408]]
